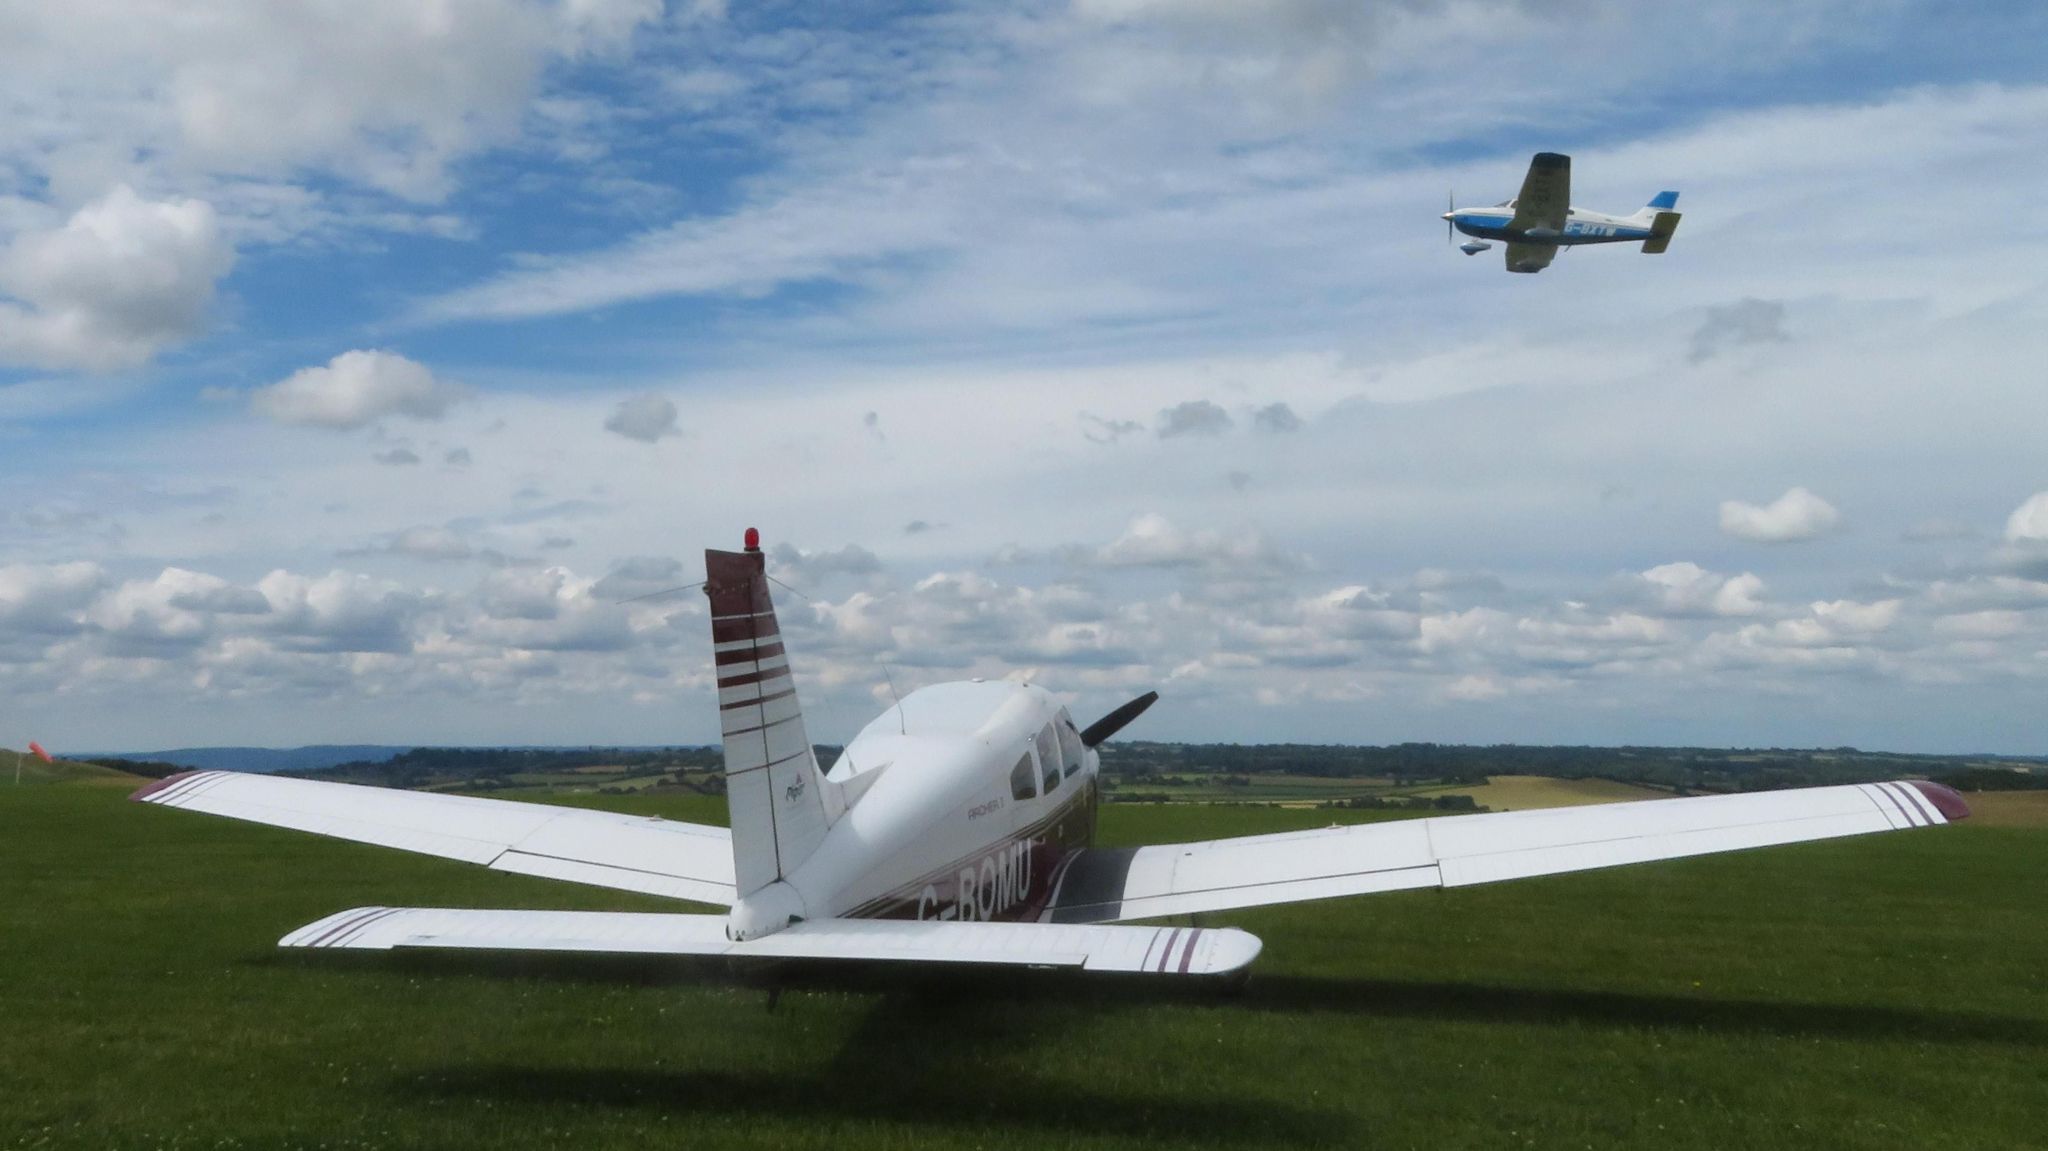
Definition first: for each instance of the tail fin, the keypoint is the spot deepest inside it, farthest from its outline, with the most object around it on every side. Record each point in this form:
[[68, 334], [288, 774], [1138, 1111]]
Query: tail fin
[[781, 804], [1663, 202]]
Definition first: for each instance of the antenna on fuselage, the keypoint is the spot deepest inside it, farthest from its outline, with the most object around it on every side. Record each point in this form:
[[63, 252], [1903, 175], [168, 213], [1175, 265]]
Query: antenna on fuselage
[[902, 725]]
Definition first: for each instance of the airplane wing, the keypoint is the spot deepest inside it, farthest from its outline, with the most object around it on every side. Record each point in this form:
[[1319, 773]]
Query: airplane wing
[[1530, 257], [600, 848], [1092, 947], [1546, 195], [1105, 885]]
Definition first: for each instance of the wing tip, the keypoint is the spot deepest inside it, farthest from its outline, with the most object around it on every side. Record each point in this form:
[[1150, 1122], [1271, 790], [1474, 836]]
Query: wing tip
[[1231, 950], [144, 793], [1946, 800]]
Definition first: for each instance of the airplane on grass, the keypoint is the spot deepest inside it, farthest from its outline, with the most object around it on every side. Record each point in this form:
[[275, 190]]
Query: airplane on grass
[[955, 829], [1541, 220]]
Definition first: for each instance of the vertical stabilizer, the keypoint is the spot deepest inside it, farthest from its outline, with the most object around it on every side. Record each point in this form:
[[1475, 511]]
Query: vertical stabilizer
[[781, 804]]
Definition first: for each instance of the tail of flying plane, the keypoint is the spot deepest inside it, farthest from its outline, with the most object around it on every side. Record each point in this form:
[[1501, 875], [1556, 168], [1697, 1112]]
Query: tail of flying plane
[[1662, 217], [781, 804]]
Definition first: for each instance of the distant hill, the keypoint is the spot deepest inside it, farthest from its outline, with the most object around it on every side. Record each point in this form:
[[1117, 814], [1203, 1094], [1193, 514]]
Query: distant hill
[[266, 759], [33, 770]]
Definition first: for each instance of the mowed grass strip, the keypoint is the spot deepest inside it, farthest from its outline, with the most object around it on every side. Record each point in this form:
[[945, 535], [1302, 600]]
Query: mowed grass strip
[[1879, 992]]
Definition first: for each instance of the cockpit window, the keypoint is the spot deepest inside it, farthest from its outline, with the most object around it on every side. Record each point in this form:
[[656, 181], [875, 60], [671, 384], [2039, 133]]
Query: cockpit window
[[1071, 751], [1022, 785], [1049, 756]]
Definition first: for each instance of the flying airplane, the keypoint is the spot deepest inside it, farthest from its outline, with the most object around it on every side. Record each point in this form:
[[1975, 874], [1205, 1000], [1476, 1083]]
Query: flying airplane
[[955, 829], [1541, 220]]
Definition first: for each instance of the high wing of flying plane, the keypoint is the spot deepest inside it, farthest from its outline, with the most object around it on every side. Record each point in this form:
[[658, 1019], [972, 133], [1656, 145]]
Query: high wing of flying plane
[[1535, 224], [956, 829]]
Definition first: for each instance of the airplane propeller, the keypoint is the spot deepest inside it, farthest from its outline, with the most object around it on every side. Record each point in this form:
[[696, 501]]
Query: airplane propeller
[[1114, 722], [1450, 209]]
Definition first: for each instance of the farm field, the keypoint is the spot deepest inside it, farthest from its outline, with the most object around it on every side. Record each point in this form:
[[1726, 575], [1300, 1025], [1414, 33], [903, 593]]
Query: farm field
[[1528, 792], [1870, 993]]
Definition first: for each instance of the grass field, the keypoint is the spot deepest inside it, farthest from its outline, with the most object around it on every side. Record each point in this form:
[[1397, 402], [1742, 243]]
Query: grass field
[[1881, 992], [1525, 792]]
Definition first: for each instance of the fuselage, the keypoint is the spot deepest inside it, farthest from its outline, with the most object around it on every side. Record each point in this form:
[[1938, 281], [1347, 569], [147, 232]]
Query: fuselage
[[980, 791], [1581, 227]]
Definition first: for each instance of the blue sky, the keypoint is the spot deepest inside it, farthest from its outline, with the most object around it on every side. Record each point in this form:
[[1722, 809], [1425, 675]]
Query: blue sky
[[356, 361]]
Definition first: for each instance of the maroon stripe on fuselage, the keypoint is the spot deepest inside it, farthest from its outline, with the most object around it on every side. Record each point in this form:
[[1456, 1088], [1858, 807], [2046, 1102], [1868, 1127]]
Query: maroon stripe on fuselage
[[901, 902], [761, 650]]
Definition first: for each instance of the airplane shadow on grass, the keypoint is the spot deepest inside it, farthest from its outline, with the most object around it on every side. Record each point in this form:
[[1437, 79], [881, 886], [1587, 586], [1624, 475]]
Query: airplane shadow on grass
[[934, 1050], [1373, 998], [924, 1060]]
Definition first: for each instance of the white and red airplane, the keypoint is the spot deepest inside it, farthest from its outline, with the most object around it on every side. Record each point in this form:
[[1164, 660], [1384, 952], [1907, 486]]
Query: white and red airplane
[[955, 829]]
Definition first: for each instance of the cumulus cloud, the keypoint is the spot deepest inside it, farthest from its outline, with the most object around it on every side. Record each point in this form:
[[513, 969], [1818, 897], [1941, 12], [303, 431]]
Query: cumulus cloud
[[2029, 522], [646, 418], [1687, 589], [1152, 540], [355, 389], [1747, 321], [1796, 515], [119, 281], [1276, 418], [457, 458], [1193, 418], [397, 457]]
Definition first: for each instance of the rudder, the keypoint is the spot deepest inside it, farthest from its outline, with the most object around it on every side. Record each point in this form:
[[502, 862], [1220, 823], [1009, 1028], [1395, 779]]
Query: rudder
[[781, 805]]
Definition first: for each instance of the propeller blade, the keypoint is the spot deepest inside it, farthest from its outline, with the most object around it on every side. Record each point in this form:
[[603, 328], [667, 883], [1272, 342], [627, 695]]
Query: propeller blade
[[1450, 226], [1114, 722]]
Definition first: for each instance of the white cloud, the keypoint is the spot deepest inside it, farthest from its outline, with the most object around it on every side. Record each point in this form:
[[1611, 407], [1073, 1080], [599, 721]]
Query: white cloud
[[1796, 515], [646, 418], [1685, 588], [123, 278], [2029, 522], [355, 389]]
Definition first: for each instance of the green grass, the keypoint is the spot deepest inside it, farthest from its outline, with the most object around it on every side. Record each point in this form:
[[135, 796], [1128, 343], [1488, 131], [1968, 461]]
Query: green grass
[[1882, 992]]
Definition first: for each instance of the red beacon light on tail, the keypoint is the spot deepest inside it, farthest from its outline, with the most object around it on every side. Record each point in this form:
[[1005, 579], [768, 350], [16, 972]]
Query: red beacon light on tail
[[753, 539]]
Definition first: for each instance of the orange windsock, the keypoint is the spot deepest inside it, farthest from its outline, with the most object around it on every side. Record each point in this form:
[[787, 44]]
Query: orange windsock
[[37, 749]]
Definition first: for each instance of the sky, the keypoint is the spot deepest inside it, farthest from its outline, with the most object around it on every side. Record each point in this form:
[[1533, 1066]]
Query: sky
[[365, 367]]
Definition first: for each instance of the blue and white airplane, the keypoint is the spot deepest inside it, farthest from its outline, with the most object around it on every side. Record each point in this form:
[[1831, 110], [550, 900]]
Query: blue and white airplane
[[1535, 224]]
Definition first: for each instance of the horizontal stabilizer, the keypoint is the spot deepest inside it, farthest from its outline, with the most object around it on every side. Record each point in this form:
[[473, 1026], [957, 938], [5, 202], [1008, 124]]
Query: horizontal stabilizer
[[600, 848], [1091, 947], [1661, 227]]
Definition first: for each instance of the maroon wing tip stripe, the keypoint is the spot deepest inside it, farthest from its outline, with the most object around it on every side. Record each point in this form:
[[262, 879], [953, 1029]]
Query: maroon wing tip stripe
[[360, 916], [1946, 800], [1916, 807], [1166, 952], [142, 794], [1187, 956], [1897, 804]]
